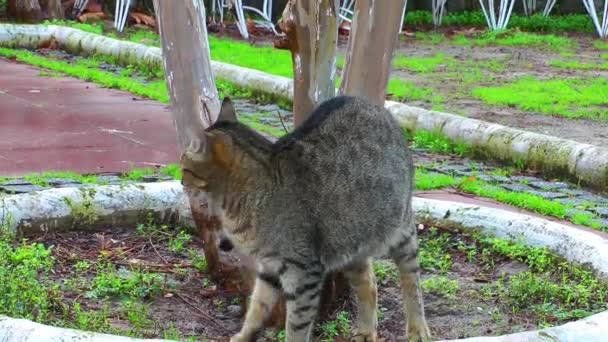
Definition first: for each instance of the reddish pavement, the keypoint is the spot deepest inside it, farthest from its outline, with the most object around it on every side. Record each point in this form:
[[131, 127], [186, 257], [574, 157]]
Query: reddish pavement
[[66, 124]]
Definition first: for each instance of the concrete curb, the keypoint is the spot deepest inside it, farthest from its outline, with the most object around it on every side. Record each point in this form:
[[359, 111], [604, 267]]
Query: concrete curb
[[586, 162], [118, 205]]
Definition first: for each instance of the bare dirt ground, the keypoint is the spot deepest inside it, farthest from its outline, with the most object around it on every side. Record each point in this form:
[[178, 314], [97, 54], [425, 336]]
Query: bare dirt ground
[[136, 282], [518, 62]]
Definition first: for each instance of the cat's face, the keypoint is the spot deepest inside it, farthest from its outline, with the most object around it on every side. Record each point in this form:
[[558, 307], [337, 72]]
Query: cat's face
[[209, 157]]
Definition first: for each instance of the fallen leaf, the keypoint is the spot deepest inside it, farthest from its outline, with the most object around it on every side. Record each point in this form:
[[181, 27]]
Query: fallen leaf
[[141, 18], [91, 16]]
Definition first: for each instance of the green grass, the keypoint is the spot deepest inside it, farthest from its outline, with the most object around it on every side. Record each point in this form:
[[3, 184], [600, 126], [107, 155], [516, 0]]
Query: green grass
[[514, 38], [438, 143], [433, 254], [97, 28], [431, 38], [600, 44], [29, 287], [267, 59], [43, 178], [517, 199], [24, 269], [430, 180], [534, 23], [340, 326], [385, 271], [154, 87], [156, 90], [441, 286], [571, 98], [420, 64], [426, 180], [138, 284], [409, 91], [551, 288], [575, 65]]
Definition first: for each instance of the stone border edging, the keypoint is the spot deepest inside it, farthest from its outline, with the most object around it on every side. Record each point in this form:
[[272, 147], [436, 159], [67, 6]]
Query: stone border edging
[[124, 205], [100, 206], [586, 162]]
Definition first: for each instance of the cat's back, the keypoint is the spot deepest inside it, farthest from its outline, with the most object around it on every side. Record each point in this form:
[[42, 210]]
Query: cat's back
[[352, 172], [343, 123]]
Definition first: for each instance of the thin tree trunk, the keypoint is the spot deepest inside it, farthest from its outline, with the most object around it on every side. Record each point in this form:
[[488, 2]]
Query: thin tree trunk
[[52, 9], [195, 105], [311, 28], [374, 33], [25, 10]]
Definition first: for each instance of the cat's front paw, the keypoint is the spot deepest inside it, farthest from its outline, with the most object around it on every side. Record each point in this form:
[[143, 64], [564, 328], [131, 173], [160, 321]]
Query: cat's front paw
[[239, 338], [418, 330], [361, 336]]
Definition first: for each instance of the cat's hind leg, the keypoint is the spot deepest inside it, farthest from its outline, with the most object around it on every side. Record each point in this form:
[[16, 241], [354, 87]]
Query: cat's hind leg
[[361, 277], [405, 255]]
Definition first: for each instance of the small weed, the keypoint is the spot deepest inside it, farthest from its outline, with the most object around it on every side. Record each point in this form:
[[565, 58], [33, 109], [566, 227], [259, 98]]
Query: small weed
[[172, 170], [341, 326], [430, 180], [432, 253], [43, 179], [137, 315], [23, 272], [385, 271], [137, 175], [88, 320], [178, 243], [199, 262], [82, 266], [441, 286], [438, 143], [135, 284], [83, 212]]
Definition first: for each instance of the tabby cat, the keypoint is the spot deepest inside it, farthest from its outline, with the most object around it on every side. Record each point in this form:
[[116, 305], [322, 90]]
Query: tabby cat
[[329, 196]]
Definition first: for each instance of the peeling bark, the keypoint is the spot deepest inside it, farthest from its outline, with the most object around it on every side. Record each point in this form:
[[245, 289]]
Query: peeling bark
[[25, 10], [52, 9], [195, 102], [311, 28], [374, 33]]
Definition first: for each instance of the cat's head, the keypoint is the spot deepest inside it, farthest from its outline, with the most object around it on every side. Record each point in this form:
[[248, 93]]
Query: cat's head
[[210, 155]]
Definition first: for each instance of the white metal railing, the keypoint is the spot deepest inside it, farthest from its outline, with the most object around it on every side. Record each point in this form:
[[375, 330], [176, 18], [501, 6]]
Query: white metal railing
[[500, 20], [530, 7], [438, 9], [600, 27]]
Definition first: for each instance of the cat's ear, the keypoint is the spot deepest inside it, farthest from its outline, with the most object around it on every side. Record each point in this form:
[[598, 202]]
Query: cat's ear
[[220, 149], [227, 112]]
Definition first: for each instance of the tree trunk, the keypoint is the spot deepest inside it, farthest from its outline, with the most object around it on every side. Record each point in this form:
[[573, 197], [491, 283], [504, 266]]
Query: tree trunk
[[374, 33], [195, 105], [25, 10], [311, 28], [52, 9]]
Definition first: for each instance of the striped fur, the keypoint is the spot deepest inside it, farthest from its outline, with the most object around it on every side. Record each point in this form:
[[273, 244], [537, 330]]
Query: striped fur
[[329, 196]]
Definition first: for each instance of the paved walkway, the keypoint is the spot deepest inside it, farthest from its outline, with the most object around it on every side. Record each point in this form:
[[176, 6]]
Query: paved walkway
[[49, 123]]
